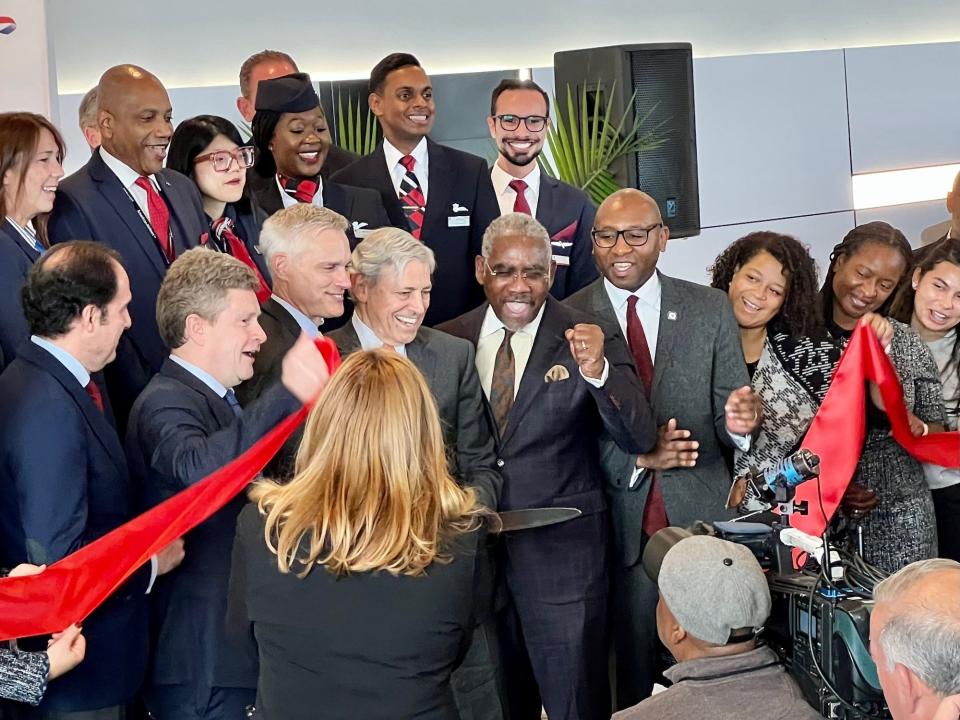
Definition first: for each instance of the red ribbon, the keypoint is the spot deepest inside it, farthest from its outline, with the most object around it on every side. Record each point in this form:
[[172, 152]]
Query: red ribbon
[[838, 430], [72, 588]]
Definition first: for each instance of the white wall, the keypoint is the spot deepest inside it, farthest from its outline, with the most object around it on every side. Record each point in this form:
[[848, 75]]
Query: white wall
[[27, 70]]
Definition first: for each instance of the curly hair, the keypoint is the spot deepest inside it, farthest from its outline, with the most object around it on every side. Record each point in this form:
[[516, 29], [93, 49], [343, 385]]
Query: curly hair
[[878, 233], [795, 316]]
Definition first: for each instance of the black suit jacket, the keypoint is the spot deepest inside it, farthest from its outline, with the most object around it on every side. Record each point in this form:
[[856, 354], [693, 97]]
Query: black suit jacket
[[550, 455], [181, 431], [361, 207], [337, 159], [92, 204], [447, 364], [459, 191], [247, 227], [567, 214], [366, 645], [16, 259], [64, 484]]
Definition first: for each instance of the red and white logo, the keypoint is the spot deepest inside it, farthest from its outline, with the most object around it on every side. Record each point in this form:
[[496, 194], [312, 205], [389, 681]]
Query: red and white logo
[[7, 25]]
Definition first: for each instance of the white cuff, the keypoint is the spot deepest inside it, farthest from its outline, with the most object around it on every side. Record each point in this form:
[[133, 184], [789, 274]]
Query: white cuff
[[742, 442], [154, 568], [638, 473], [603, 376]]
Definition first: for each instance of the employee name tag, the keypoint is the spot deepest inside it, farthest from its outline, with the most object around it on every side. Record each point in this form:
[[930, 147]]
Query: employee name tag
[[561, 259], [458, 221], [361, 233]]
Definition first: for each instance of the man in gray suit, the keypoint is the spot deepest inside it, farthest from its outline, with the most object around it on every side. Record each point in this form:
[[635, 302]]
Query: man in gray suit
[[390, 284], [686, 348]]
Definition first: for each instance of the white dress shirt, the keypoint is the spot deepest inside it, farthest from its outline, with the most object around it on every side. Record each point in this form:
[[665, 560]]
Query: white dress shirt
[[368, 338], [128, 178], [202, 375], [506, 195], [289, 200], [28, 233], [421, 166], [305, 323]]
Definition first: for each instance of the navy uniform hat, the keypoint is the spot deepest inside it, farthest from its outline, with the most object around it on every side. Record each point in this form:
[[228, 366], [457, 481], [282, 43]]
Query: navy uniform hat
[[287, 93]]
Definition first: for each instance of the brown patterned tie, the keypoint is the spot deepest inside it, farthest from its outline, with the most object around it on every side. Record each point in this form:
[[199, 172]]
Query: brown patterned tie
[[501, 389]]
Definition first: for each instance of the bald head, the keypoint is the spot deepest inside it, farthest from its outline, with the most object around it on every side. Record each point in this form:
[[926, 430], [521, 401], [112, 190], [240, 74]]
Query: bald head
[[915, 636], [628, 237], [134, 117]]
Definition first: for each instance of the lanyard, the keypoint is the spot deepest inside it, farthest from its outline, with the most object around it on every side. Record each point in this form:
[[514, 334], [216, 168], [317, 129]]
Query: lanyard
[[149, 227]]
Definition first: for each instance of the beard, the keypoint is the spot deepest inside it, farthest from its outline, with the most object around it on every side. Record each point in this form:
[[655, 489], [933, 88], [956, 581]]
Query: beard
[[520, 160]]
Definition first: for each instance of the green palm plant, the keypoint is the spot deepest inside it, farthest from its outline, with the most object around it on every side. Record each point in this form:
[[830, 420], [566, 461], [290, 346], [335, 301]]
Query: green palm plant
[[356, 131], [585, 144]]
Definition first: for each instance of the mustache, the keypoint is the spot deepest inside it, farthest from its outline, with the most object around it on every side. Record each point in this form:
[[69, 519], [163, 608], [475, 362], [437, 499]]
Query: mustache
[[521, 297]]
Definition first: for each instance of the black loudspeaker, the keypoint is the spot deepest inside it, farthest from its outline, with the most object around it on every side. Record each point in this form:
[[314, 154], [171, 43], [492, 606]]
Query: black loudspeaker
[[662, 76]]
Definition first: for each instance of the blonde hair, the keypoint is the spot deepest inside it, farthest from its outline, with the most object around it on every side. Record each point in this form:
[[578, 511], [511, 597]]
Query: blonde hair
[[289, 230], [197, 284], [372, 488]]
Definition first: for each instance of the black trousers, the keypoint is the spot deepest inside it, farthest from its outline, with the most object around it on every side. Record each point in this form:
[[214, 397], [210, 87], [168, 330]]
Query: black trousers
[[636, 645], [946, 504]]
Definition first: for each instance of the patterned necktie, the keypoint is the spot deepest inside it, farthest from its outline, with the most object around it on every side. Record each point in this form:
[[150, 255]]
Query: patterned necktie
[[159, 217], [655, 511], [520, 205], [501, 388], [414, 203], [93, 390], [302, 190], [234, 404], [223, 230]]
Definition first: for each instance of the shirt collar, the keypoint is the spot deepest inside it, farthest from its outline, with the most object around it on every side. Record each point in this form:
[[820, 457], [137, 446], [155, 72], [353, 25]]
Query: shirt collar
[[393, 155], [305, 323], [289, 200], [202, 375], [28, 233], [649, 293], [501, 179], [710, 667], [126, 174], [369, 339], [492, 324], [75, 367]]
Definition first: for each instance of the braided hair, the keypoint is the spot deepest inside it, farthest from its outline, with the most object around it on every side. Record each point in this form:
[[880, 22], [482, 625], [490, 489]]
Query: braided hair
[[795, 316]]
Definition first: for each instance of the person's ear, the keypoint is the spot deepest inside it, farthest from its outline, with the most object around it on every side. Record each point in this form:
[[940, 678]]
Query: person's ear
[[492, 126], [479, 270], [359, 287], [195, 329], [664, 237], [279, 265], [375, 103]]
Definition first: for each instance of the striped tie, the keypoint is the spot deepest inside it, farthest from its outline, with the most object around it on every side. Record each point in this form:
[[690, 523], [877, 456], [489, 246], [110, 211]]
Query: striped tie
[[414, 203]]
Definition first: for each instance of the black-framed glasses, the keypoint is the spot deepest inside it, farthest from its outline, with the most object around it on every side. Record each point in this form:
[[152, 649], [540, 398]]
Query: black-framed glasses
[[223, 159], [533, 275], [635, 237], [533, 123]]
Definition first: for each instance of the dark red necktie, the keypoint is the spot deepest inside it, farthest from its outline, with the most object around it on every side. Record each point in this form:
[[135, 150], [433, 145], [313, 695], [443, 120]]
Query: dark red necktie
[[223, 229], [520, 205], [159, 217], [302, 190], [93, 390], [655, 511], [411, 195]]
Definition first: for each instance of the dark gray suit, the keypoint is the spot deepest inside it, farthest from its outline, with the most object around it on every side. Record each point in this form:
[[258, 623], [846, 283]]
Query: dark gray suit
[[447, 364], [698, 363]]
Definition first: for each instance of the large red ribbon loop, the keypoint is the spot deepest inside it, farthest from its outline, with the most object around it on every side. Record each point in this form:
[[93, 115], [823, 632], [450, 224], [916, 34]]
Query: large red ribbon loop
[[70, 589]]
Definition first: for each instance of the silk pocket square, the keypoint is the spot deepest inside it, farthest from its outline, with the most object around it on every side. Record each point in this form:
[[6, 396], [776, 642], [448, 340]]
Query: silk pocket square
[[556, 373]]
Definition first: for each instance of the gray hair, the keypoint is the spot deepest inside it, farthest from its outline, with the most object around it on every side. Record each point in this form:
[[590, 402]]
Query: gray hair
[[389, 247], [920, 636], [287, 231], [516, 225], [87, 111]]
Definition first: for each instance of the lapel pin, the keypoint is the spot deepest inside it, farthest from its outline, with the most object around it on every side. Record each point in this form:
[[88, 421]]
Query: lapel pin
[[457, 207], [671, 315]]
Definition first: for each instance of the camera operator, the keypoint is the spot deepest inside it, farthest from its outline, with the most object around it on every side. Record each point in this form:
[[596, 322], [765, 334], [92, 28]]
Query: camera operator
[[713, 600], [915, 640]]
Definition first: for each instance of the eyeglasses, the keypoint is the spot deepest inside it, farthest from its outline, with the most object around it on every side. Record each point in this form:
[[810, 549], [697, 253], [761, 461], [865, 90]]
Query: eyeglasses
[[534, 275], [635, 237], [533, 123], [223, 159]]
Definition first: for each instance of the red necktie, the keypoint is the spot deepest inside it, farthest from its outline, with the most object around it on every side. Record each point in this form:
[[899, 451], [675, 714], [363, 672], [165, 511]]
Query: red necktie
[[159, 217], [520, 205], [414, 203], [655, 511], [93, 391], [302, 190], [223, 229]]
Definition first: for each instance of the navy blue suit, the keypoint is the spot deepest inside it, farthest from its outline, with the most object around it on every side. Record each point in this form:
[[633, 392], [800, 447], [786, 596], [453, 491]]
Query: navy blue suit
[[179, 432], [63, 484], [247, 225], [16, 259], [459, 191], [567, 214], [92, 204]]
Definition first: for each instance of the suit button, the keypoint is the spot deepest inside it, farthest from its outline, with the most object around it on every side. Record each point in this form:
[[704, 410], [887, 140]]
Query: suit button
[[500, 462]]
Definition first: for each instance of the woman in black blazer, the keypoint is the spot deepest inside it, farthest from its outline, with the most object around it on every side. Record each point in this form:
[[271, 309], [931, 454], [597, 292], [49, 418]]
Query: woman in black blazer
[[31, 150], [208, 150], [358, 579]]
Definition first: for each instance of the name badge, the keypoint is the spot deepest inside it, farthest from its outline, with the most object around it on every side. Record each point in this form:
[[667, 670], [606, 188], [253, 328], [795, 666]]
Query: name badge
[[360, 233], [561, 259], [458, 221]]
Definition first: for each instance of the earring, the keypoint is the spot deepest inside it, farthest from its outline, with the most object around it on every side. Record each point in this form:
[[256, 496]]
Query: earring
[[914, 286]]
